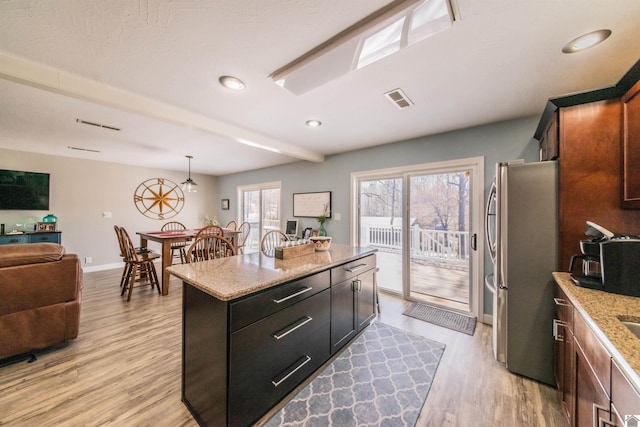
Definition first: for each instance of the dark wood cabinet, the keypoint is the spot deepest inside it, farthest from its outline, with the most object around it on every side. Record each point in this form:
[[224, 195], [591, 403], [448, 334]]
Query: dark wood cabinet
[[352, 299], [563, 351], [625, 400], [590, 175], [592, 377], [549, 148], [631, 148], [241, 357], [592, 401]]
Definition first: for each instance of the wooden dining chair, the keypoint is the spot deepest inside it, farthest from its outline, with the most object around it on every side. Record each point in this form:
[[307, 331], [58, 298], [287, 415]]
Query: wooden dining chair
[[245, 230], [209, 230], [123, 253], [271, 241], [232, 225], [177, 247], [127, 266], [140, 266], [209, 247]]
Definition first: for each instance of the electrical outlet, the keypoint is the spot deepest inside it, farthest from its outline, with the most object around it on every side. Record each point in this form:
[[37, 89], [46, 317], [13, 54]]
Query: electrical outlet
[[106, 214], [88, 260], [338, 217]]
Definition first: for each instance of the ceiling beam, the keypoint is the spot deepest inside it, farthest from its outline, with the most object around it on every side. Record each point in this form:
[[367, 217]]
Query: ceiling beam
[[53, 80]]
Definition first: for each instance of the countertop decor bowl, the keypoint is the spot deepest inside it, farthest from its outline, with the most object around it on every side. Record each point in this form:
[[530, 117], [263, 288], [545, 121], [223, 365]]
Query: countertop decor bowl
[[321, 243]]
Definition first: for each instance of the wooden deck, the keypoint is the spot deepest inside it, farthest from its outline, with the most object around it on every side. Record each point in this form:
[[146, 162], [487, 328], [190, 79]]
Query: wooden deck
[[445, 282]]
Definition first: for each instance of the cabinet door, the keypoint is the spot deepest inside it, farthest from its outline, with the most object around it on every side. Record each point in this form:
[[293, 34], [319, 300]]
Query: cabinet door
[[631, 148], [343, 319], [592, 402], [625, 399], [366, 298]]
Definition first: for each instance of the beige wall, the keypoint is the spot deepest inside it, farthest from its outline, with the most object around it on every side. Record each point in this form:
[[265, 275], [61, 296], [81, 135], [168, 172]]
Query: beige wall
[[81, 190]]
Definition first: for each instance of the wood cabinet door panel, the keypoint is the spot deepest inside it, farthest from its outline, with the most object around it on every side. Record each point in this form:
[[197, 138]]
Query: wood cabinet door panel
[[343, 321], [631, 147], [592, 402], [624, 396], [596, 354]]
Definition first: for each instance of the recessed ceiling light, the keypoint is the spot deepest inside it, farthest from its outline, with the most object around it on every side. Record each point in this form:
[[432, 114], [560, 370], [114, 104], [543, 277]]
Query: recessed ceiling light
[[313, 123], [231, 82], [586, 41]]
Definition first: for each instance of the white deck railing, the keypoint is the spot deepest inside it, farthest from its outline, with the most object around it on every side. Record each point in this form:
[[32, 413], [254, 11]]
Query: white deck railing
[[434, 245]]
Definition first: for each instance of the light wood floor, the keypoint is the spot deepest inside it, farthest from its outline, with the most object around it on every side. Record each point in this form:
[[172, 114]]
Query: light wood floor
[[124, 370]]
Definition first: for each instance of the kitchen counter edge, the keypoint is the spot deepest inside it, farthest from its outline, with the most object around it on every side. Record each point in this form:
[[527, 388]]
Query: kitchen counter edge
[[233, 277]]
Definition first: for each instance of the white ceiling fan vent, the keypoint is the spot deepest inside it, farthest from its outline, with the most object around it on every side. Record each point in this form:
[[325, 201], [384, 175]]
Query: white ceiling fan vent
[[84, 122], [399, 99]]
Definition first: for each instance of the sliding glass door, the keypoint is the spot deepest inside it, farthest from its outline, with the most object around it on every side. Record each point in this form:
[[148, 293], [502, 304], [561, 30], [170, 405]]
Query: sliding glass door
[[260, 207], [420, 220]]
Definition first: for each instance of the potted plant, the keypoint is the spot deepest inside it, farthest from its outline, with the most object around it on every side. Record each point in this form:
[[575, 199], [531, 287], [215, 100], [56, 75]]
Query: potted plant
[[322, 218]]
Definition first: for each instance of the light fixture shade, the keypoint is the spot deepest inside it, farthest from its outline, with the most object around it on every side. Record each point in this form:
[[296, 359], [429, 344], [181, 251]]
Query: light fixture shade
[[189, 185], [586, 41]]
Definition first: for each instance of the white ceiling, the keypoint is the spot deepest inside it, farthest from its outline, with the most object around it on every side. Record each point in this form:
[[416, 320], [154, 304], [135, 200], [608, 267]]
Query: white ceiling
[[151, 68]]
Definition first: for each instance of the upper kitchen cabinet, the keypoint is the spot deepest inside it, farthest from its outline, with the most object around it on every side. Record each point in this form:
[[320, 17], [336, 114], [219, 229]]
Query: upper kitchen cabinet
[[584, 132], [549, 148], [631, 148]]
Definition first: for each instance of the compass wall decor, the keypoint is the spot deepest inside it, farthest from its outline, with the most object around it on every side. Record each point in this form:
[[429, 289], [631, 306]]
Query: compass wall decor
[[159, 198]]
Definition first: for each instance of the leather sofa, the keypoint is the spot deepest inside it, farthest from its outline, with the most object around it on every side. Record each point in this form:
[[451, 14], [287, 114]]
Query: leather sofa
[[40, 289]]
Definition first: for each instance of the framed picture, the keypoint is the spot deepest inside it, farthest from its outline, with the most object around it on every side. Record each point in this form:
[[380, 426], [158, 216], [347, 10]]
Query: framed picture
[[312, 205], [46, 226], [315, 233], [225, 204], [306, 233]]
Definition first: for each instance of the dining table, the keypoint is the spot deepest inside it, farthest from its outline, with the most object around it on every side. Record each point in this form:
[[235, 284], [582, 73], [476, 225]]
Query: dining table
[[167, 238]]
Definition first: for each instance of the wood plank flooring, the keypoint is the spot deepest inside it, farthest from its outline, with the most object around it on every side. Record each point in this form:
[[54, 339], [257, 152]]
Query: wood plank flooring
[[124, 369]]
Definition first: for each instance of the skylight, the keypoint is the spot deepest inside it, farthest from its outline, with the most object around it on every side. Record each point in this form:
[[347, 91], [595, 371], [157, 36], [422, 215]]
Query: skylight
[[377, 36]]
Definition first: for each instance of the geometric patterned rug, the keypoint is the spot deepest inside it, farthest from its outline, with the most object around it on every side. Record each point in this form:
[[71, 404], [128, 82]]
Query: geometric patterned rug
[[445, 318], [381, 379]]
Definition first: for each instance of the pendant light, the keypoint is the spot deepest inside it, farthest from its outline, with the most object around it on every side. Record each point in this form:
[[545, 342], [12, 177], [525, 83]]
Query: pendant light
[[189, 185]]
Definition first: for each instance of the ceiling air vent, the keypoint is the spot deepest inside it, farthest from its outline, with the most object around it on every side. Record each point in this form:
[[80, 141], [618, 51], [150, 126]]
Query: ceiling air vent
[[84, 122], [399, 99]]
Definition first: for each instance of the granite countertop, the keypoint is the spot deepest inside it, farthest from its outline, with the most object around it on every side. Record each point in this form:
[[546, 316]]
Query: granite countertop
[[602, 311], [233, 277]]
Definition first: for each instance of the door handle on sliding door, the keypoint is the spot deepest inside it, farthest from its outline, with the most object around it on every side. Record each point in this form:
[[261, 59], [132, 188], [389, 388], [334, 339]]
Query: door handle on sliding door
[[474, 242]]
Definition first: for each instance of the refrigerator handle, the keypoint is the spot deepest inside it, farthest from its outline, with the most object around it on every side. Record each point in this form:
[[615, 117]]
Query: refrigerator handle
[[500, 183], [474, 242]]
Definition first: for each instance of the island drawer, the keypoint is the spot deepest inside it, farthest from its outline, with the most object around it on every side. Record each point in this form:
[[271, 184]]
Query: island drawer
[[352, 269], [248, 310], [272, 356]]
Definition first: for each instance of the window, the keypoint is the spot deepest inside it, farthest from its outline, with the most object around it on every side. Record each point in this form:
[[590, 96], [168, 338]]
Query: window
[[260, 206]]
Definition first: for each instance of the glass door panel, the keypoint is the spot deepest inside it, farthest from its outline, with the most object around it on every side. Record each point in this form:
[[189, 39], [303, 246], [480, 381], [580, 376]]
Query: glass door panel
[[380, 223], [261, 208], [438, 233]]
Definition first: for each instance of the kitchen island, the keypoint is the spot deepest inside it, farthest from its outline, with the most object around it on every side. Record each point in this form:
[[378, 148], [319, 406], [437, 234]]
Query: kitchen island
[[255, 327]]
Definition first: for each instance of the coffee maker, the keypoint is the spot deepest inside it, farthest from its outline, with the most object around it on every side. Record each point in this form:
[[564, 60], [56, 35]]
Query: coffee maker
[[610, 262]]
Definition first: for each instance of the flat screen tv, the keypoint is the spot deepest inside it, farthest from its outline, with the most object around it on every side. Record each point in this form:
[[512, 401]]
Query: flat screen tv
[[20, 190]]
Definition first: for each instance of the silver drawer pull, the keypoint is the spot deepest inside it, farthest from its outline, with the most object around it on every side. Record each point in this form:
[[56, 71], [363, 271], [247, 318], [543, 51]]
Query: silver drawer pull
[[356, 268], [301, 362], [562, 302], [300, 292], [299, 323]]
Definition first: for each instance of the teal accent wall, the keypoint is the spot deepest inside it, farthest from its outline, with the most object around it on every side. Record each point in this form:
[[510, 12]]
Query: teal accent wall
[[497, 142]]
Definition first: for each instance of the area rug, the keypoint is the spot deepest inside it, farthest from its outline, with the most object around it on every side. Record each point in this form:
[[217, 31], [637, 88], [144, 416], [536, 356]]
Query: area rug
[[381, 379], [445, 318]]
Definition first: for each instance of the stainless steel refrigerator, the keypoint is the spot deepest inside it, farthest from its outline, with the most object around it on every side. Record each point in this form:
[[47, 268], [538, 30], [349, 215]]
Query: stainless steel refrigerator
[[522, 235]]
